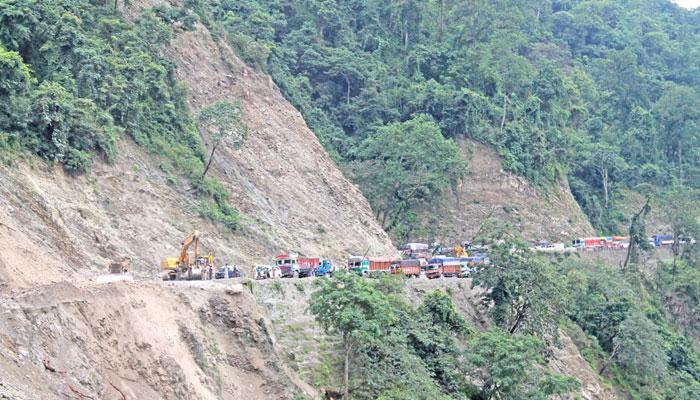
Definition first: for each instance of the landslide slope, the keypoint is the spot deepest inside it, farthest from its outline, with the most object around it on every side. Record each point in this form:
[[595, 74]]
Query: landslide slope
[[57, 226], [141, 339], [490, 192], [61, 334]]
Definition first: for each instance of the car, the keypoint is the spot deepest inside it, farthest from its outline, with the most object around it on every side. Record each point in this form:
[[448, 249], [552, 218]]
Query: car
[[228, 272]]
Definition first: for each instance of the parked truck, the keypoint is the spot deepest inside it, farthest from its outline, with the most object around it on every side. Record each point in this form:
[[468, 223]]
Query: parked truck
[[410, 268], [325, 267], [370, 265], [433, 270], [451, 267], [291, 265]]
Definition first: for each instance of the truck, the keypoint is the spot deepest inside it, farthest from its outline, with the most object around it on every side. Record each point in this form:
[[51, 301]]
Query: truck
[[369, 265], [662, 240], [324, 268], [410, 268], [589, 242], [291, 265], [451, 267], [416, 250], [433, 271]]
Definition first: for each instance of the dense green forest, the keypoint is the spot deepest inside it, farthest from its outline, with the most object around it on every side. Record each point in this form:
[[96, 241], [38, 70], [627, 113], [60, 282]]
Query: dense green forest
[[604, 93], [390, 348], [74, 75]]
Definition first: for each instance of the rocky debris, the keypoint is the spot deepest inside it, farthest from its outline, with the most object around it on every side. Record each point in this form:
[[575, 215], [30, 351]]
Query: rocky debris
[[139, 339], [234, 289]]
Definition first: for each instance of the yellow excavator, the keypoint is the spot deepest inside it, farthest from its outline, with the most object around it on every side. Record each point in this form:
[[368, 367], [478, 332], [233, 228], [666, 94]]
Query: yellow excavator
[[460, 251], [187, 266]]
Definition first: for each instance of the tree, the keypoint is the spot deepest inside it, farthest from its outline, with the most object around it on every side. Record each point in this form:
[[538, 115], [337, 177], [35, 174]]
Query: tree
[[639, 349], [15, 84], [350, 306], [512, 367], [638, 235], [678, 111], [225, 119], [399, 171], [605, 160], [525, 292], [681, 211]]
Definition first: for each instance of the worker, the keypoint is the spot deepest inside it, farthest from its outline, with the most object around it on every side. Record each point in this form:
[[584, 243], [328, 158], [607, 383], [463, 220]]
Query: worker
[[210, 271]]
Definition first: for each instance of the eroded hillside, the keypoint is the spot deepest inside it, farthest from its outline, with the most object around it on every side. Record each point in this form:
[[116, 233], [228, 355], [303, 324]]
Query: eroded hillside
[[140, 340], [490, 192], [292, 195]]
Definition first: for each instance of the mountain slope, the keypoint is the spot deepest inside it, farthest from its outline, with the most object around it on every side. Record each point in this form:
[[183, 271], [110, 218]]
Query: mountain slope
[[488, 191], [292, 195]]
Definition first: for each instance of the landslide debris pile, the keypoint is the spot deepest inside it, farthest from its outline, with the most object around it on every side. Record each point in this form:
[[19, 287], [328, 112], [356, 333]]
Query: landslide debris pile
[[147, 341]]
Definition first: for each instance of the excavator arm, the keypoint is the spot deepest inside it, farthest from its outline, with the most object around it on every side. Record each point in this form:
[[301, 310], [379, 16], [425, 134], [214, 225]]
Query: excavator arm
[[192, 238]]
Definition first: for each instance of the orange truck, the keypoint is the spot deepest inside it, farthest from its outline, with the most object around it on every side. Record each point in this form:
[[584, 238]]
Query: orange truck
[[433, 271], [370, 265], [411, 267]]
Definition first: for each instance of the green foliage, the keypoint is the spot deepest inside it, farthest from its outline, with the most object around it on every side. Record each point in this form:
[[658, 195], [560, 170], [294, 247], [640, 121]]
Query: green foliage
[[549, 85], [225, 120], [406, 167], [510, 367], [75, 76], [394, 351], [218, 209], [526, 292], [640, 348]]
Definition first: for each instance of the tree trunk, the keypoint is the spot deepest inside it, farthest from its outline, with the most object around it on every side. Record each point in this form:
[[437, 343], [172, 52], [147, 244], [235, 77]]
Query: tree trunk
[[505, 111], [442, 19], [675, 249], [347, 82], [609, 360], [680, 164], [519, 319], [346, 368], [604, 174], [211, 157], [632, 248]]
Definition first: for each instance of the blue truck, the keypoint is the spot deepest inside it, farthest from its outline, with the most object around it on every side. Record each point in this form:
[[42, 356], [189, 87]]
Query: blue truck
[[325, 267]]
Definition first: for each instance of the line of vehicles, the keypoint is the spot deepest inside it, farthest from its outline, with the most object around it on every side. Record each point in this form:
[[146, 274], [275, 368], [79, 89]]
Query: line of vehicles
[[606, 242], [415, 260]]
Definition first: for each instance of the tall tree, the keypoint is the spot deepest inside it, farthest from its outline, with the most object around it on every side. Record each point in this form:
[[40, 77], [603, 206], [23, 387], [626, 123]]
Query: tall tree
[[225, 119], [512, 367], [350, 307]]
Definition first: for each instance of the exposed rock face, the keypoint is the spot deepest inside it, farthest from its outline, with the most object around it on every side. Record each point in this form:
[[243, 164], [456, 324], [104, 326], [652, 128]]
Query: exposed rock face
[[490, 192]]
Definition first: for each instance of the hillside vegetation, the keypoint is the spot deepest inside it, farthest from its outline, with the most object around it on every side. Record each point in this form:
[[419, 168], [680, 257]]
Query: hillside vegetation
[[602, 93], [601, 96]]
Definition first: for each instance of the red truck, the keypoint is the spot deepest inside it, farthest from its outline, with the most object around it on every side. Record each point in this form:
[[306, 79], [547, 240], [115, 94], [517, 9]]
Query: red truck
[[451, 268], [291, 265]]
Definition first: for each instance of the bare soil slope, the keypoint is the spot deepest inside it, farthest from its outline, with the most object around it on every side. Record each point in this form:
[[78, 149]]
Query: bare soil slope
[[292, 195], [490, 192], [149, 343]]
